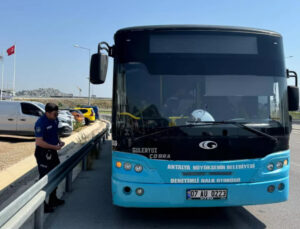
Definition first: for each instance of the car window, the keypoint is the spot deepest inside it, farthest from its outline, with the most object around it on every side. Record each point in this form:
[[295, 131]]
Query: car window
[[30, 109], [84, 110], [8, 108]]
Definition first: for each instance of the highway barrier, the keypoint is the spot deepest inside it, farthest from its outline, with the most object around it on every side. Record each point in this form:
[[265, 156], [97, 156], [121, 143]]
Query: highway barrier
[[31, 201]]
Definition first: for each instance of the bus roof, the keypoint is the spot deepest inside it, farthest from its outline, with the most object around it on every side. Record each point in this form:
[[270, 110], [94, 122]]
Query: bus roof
[[198, 27]]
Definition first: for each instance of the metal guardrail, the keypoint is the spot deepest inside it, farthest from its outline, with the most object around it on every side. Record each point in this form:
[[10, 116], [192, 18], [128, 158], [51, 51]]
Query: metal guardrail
[[106, 117], [31, 201], [296, 121]]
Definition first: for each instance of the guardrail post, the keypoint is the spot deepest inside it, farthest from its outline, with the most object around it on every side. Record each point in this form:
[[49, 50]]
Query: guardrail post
[[84, 163], [69, 181], [39, 217], [98, 147]]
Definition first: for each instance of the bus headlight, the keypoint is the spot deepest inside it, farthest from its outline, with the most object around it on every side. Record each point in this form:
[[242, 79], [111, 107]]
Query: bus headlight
[[118, 164], [127, 166], [139, 191], [270, 166], [138, 168], [279, 164]]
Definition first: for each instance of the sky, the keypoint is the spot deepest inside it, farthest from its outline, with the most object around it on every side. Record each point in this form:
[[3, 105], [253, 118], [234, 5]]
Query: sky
[[45, 31]]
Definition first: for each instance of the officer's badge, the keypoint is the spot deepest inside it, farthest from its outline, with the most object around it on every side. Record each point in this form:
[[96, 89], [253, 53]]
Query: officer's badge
[[49, 127], [38, 129]]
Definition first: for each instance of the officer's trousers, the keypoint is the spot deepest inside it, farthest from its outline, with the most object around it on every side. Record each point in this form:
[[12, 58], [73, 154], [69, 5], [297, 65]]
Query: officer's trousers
[[47, 160]]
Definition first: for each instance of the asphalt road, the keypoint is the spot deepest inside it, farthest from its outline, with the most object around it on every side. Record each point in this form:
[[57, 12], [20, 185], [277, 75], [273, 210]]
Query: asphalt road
[[89, 205]]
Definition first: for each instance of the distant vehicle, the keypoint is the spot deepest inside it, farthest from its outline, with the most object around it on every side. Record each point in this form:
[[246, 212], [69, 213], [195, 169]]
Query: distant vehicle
[[19, 117], [95, 109], [77, 114], [67, 114], [6, 94], [65, 125], [88, 113]]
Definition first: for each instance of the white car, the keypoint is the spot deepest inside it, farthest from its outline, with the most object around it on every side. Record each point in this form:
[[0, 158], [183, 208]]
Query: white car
[[65, 124], [19, 117], [67, 114]]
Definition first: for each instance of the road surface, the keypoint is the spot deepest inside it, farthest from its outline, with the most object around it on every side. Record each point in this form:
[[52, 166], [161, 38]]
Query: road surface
[[90, 206]]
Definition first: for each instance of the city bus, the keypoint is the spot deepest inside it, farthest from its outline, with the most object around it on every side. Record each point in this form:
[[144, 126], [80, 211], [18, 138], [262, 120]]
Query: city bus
[[199, 116]]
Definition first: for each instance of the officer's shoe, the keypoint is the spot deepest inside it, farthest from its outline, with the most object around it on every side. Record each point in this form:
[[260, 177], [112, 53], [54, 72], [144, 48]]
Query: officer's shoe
[[48, 208]]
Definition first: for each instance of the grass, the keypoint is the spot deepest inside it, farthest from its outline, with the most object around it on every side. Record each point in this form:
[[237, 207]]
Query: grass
[[105, 112], [77, 126], [295, 115]]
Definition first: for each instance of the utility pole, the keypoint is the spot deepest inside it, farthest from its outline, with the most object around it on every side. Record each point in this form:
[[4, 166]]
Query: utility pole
[[89, 96]]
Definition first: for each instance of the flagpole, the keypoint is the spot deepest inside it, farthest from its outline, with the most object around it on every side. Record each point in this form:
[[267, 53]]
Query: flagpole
[[2, 75], [14, 80]]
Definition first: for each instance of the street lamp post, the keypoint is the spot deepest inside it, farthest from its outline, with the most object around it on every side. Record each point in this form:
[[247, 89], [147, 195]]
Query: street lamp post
[[78, 46]]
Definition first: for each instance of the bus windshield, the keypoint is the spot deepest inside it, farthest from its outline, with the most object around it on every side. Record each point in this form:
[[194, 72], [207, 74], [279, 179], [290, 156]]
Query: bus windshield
[[246, 98]]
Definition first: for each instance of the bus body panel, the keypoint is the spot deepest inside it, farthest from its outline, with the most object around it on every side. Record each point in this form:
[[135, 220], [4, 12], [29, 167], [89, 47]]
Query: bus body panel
[[174, 195], [165, 182]]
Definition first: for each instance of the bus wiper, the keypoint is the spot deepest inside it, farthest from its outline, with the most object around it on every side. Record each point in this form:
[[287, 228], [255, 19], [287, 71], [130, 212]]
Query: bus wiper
[[258, 132], [243, 126], [195, 124]]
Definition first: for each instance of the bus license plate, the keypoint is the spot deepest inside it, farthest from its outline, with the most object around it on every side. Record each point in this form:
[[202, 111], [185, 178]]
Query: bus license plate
[[206, 194]]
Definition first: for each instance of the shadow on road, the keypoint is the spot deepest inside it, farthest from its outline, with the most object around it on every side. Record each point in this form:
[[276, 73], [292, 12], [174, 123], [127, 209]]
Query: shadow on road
[[16, 139], [227, 217]]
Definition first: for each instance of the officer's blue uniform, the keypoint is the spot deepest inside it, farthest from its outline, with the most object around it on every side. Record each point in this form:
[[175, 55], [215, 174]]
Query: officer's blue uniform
[[46, 159], [47, 129]]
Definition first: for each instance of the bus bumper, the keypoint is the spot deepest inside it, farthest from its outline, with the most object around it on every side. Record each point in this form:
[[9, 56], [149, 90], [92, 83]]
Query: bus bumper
[[174, 195]]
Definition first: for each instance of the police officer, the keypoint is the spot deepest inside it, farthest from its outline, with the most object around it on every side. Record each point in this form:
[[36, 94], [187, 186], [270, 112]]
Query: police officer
[[47, 144]]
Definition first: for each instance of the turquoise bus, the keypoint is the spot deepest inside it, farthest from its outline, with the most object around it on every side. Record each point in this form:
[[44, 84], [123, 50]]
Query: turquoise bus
[[199, 115]]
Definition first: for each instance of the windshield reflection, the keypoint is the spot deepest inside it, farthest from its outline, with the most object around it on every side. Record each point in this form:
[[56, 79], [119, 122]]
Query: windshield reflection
[[178, 99]]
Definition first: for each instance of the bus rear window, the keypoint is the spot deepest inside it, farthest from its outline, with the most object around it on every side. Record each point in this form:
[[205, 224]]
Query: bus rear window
[[203, 44]]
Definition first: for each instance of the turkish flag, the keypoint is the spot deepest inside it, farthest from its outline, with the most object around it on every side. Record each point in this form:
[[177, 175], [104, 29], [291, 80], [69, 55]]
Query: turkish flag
[[11, 50]]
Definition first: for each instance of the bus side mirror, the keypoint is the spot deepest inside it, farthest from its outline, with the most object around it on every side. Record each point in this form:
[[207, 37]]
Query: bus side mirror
[[98, 68], [293, 98]]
